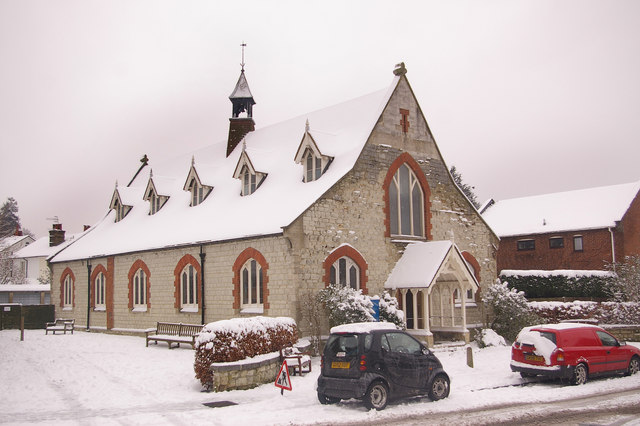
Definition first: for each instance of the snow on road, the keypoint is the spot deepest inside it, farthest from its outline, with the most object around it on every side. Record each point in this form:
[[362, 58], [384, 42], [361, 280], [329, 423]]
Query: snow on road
[[100, 379]]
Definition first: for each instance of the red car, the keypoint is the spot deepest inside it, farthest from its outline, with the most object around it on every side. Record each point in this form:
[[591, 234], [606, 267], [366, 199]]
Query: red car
[[571, 351]]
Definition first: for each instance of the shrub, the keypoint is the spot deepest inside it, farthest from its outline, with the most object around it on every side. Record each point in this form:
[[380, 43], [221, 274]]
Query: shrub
[[604, 313], [345, 305], [390, 311], [240, 338], [510, 309], [626, 281]]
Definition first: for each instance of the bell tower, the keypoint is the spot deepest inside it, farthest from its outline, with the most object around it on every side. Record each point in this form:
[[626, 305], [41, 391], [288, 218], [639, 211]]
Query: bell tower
[[241, 121]]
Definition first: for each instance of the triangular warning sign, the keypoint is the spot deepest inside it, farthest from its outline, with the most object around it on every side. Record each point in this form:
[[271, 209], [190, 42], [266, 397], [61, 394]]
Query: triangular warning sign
[[282, 380]]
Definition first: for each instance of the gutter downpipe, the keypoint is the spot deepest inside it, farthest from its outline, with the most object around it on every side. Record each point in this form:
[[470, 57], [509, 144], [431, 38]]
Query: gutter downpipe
[[203, 256], [88, 291], [613, 249]]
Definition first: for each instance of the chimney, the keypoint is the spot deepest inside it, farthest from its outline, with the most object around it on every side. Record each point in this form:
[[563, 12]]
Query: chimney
[[56, 235], [86, 227], [18, 232], [238, 129]]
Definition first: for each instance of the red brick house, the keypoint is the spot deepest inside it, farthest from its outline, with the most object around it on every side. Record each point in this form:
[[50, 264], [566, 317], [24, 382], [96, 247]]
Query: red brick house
[[574, 230]]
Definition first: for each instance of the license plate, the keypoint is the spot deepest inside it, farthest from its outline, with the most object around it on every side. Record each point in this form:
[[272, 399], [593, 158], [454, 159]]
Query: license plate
[[534, 358], [339, 364]]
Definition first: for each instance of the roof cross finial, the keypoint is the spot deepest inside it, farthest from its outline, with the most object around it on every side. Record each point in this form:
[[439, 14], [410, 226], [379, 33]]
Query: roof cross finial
[[306, 126], [243, 46], [244, 145], [193, 160]]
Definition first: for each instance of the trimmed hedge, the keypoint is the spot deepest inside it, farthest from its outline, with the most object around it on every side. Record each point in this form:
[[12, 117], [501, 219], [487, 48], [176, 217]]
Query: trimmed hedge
[[604, 313], [552, 284], [240, 338]]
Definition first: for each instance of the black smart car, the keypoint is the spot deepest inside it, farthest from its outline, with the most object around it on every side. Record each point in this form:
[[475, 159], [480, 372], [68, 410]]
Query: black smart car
[[377, 362]]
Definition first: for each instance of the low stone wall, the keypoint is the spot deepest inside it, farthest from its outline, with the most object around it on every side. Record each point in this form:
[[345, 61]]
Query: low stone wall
[[630, 333], [245, 374]]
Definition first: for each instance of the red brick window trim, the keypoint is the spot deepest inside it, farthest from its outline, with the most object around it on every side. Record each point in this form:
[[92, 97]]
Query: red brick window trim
[[98, 288], [186, 286], [355, 256], [139, 271], [412, 164], [67, 291], [238, 267]]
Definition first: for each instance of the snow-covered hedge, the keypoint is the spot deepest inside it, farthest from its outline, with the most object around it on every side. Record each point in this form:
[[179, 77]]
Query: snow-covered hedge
[[560, 283], [510, 309], [239, 338], [604, 313]]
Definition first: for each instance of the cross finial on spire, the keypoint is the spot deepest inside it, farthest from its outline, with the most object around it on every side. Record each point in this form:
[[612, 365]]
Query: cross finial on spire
[[243, 46], [193, 160], [244, 145], [306, 126]]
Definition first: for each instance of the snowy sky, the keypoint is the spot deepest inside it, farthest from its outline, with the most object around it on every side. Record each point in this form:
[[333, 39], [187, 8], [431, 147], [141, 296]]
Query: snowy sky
[[524, 97]]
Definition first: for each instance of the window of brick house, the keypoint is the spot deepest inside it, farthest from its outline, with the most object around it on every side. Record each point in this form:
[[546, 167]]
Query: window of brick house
[[406, 204], [526, 245], [345, 272], [100, 292], [188, 289], [251, 286], [140, 290], [556, 242], [577, 243], [68, 292]]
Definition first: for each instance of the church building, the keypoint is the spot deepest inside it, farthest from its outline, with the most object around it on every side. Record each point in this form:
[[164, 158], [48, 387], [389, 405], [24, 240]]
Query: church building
[[356, 194]]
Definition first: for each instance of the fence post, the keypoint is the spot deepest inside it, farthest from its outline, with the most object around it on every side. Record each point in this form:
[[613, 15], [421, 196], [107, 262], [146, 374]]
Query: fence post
[[21, 324]]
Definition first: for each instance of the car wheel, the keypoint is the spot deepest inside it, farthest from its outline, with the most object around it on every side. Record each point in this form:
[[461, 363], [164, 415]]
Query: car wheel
[[580, 375], [377, 396], [634, 366], [324, 399], [439, 388]]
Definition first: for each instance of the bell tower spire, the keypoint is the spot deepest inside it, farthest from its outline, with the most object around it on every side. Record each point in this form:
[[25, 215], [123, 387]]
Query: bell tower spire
[[241, 121]]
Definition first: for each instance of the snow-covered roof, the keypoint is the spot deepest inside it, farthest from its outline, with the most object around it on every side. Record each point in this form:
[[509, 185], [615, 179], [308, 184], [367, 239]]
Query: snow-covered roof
[[423, 263], [15, 288], [41, 248], [13, 240], [363, 327], [341, 131], [590, 208]]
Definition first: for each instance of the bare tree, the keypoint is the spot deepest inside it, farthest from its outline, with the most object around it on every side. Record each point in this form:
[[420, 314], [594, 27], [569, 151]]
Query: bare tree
[[11, 269]]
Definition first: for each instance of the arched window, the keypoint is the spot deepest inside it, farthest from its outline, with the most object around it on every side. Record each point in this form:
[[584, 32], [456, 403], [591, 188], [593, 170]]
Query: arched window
[[345, 272], [139, 286], [251, 282], [139, 290], [99, 286], [188, 288], [406, 204], [68, 292], [251, 285]]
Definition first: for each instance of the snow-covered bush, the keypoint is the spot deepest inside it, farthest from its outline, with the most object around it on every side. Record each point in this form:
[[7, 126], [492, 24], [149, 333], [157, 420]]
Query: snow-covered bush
[[511, 312], [390, 311], [487, 337], [604, 313], [345, 305], [239, 338], [626, 284]]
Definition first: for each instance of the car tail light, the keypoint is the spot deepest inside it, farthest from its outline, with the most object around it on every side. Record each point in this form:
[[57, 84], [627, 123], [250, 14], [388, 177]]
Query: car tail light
[[321, 361], [559, 355], [363, 363]]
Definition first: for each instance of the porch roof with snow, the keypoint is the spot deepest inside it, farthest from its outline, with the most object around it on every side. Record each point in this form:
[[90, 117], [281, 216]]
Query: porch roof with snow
[[591, 208], [423, 264], [340, 131]]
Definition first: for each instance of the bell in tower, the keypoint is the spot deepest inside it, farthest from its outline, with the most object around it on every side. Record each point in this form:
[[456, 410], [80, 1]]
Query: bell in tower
[[241, 121]]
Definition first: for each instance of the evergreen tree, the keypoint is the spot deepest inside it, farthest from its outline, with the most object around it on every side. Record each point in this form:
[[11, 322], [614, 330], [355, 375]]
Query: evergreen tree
[[467, 189], [9, 220]]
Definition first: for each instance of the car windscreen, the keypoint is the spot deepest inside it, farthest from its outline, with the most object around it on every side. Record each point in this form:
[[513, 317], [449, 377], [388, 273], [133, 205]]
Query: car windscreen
[[342, 345]]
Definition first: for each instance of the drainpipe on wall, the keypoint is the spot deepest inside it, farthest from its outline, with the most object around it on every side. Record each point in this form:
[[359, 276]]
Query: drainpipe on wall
[[88, 291], [613, 249], [203, 256]]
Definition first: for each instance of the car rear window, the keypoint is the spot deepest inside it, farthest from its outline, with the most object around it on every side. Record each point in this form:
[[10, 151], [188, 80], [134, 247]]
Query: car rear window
[[549, 336], [342, 345]]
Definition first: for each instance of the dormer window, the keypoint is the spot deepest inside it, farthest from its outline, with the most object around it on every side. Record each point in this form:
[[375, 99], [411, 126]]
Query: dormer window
[[250, 178], [312, 160], [199, 192], [155, 200], [118, 206]]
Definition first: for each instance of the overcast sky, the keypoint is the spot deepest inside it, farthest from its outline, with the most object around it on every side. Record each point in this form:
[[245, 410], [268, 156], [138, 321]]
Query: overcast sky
[[523, 97]]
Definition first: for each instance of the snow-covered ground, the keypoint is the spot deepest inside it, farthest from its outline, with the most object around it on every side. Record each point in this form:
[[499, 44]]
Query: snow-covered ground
[[100, 379]]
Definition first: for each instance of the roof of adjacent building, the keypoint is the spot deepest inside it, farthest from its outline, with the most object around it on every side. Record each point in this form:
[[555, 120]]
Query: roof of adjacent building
[[12, 240], [592, 208], [340, 131]]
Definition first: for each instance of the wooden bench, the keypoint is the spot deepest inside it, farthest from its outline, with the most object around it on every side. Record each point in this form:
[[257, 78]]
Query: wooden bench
[[60, 324], [172, 332], [297, 362]]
